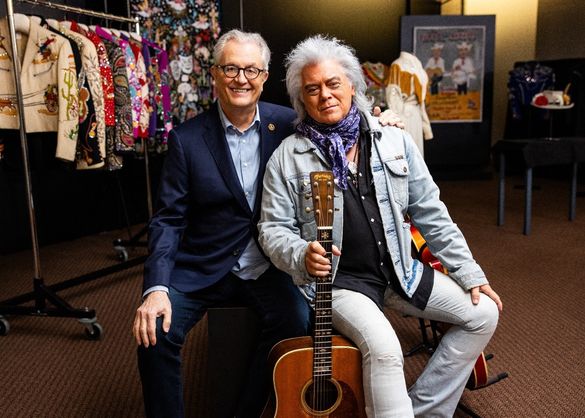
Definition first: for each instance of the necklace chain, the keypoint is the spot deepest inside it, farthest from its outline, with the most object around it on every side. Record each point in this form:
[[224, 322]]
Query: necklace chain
[[353, 165]]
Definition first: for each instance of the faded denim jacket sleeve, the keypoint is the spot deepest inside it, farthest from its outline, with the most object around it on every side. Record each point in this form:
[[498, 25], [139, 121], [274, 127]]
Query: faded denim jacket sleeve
[[286, 225], [429, 214]]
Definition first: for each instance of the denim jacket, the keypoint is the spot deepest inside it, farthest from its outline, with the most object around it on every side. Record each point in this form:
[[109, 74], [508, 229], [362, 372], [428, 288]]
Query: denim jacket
[[405, 192]]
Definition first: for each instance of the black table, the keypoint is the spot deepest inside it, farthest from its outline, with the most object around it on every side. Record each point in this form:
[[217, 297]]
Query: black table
[[539, 152]]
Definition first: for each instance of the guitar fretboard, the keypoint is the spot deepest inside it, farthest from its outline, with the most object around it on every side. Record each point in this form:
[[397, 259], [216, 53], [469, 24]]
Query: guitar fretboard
[[322, 183], [323, 326]]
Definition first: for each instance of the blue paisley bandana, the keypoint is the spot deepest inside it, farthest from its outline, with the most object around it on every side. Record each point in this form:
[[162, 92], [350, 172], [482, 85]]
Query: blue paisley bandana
[[334, 141]]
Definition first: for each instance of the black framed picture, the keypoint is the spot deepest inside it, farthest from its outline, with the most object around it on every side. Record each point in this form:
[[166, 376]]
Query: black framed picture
[[457, 53]]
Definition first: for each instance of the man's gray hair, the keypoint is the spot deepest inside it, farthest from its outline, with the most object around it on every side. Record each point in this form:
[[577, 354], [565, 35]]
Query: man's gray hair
[[317, 49], [239, 36]]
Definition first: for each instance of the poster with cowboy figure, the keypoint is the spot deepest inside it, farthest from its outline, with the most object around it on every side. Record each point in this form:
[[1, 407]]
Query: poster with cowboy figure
[[454, 59]]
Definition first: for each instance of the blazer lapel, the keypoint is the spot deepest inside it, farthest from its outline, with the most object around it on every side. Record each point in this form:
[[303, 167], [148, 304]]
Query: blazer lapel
[[269, 141], [218, 146]]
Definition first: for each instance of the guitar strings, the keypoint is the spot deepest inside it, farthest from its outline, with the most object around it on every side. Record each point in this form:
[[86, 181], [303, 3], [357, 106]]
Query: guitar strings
[[322, 371]]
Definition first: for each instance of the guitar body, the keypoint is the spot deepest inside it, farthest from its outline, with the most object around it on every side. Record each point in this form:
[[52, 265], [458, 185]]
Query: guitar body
[[435, 72], [479, 375], [319, 376], [292, 364], [422, 252]]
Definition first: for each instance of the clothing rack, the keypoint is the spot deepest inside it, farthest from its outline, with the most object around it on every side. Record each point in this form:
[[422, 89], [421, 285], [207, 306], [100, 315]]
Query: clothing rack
[[43, 294], [85, 12]]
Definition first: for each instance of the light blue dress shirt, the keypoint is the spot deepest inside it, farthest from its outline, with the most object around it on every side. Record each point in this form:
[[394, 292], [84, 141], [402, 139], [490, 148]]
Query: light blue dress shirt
[[245, 150]]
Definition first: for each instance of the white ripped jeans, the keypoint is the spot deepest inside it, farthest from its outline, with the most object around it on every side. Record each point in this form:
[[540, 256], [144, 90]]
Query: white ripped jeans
[[439, 387]]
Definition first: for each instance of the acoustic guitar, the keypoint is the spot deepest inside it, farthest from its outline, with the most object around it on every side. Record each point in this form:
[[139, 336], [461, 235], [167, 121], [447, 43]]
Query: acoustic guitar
[[479, 377], [435, 72], [319, 376]]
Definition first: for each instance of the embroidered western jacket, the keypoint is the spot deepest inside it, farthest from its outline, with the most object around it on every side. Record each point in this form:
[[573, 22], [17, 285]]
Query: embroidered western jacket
[[49, 86]]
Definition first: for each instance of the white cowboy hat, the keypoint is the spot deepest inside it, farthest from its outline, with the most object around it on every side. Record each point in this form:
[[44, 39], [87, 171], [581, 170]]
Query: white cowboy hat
[[464, 45]]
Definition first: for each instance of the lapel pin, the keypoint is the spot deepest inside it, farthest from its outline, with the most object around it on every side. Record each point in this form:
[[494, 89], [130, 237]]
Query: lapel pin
[[271, 127]]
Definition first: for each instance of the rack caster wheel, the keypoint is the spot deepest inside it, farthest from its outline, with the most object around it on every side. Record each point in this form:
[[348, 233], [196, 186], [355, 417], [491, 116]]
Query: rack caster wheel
[[121, 253], [95, 333], [4, 326], [93, 330]]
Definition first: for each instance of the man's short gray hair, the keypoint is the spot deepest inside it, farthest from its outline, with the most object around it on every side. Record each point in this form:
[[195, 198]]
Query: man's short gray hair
[[239, 36], [317, 49]]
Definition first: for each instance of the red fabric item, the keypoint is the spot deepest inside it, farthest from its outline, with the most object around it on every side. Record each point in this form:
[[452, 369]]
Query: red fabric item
[[541, 101]]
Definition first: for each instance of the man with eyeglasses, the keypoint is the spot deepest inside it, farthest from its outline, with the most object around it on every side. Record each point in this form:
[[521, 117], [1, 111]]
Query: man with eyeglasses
[[203, 237]]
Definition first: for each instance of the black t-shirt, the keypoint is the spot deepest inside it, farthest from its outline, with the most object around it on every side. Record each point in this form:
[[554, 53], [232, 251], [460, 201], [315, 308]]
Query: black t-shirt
[[365, 265]]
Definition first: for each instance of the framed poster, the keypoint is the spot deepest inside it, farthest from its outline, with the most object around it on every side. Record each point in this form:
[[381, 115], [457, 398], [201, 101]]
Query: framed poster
[[453, 57], [457, 53]]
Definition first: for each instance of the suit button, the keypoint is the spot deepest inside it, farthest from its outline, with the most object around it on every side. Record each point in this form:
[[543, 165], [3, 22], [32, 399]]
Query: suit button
[[236, 253]]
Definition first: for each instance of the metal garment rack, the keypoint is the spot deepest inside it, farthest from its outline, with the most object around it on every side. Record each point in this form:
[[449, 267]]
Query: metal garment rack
[[43, 294]]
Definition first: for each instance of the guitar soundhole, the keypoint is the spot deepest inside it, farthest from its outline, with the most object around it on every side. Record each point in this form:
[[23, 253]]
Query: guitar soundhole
[[323, 396]]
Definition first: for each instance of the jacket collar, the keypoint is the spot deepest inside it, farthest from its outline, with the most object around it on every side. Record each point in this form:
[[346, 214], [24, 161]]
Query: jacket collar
[[218, 146]]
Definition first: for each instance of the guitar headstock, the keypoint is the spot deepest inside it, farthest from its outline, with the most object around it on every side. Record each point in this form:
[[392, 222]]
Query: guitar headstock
[[322, 186]]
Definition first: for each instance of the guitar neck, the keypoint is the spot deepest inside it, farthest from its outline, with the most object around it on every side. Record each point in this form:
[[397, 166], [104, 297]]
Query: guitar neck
[[322, 187], [323, 326]]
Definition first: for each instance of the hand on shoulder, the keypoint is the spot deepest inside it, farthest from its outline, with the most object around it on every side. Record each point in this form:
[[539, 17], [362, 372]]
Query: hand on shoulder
[[388, 118]]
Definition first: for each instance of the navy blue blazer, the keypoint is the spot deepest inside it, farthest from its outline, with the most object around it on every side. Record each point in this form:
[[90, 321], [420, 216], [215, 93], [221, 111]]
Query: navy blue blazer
[[203, 221]]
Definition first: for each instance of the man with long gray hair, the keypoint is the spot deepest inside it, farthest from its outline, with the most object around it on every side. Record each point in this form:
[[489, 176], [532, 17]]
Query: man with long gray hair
[[381, 187]]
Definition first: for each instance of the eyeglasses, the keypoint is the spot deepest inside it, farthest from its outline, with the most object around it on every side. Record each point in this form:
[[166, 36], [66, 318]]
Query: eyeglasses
[[231, 71]]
